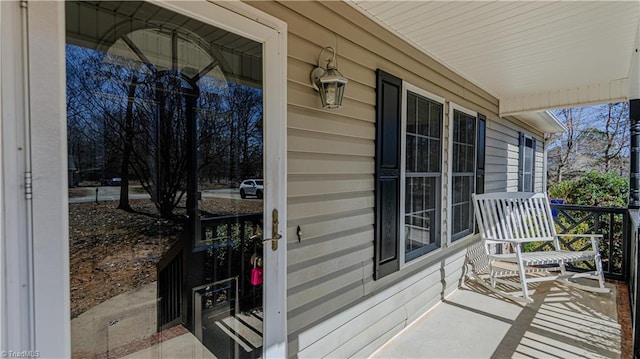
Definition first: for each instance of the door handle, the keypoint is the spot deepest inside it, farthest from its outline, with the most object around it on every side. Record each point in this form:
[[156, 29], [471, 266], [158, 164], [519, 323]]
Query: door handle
[[275, 236]]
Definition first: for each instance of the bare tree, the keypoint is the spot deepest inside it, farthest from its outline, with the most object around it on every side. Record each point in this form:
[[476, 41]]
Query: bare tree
[[138, 116], [564, 144], [145, 121], [597, 138], [616, 129]]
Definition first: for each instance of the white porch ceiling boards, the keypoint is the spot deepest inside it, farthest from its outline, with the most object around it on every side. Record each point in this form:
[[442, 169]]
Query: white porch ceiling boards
[[531, 55]]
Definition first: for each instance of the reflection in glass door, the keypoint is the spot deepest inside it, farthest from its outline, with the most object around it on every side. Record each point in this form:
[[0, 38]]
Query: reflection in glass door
[[165, 141]]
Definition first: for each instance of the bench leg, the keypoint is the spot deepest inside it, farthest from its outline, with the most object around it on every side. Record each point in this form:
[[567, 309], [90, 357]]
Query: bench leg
[[523, 273], [563, 268], [492, 276], [600, 270]]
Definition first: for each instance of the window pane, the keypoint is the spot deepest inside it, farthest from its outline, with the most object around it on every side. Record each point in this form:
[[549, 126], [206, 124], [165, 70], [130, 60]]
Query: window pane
[[463, 173], [528, 159], [421, 216], [408, 198], [418, 195], [527, 187], [470, 131], [411, 153], [470, 159], [422, 184], [411, 113], [456, 195], [456, 158], [423, 117], [436, 119], [423, 155], [527, 163], [434, 159]]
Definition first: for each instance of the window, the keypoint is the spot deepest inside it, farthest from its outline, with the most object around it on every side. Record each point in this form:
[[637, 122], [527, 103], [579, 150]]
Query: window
[[527, 164], [463, 171], [422, 174], [409, 178]]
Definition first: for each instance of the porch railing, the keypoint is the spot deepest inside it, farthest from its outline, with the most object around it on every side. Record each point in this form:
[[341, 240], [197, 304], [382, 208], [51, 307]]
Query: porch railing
[[612, 223]]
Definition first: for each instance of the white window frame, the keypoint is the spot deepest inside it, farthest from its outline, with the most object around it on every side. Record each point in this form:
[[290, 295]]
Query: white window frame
[[455, 107], [408, 87]]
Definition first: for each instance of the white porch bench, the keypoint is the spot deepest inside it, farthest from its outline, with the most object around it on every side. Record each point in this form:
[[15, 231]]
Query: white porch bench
[[512, 219]]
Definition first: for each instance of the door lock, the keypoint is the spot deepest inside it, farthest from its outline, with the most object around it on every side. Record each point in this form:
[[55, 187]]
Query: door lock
[[274, 230]]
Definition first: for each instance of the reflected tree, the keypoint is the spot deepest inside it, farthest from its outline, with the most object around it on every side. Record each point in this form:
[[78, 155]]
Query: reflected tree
[[129, 119]]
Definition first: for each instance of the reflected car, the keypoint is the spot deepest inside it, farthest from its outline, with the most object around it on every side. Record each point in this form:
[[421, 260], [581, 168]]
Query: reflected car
[[252, 187], [115, 181]]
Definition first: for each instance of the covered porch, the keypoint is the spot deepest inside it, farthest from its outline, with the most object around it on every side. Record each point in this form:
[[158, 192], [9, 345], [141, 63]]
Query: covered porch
[[563, 322], [473, 322], [534, 57]]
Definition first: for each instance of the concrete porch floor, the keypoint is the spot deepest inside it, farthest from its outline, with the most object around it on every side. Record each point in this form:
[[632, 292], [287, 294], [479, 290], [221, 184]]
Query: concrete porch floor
[[473, 322]]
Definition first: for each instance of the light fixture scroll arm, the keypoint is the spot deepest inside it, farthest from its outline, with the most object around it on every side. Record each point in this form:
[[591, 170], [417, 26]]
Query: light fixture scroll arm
[[319, 70], [331, 60]]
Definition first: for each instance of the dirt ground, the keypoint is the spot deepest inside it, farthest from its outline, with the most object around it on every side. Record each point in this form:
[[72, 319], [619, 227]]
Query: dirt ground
[[112, 251]]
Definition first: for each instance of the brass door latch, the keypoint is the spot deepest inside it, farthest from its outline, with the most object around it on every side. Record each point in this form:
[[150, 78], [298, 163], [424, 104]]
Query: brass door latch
[[275, 236]]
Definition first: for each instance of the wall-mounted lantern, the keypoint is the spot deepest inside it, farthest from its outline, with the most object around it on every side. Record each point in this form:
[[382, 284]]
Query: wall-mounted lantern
[[329, 81]]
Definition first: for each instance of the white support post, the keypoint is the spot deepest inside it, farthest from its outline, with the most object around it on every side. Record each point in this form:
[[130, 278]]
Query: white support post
[[634, 126], [50, 255], [16, 329]]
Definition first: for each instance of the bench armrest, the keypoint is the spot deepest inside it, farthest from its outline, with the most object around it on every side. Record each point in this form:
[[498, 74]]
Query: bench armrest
[[519, 240], [581, 235], [593, 237]]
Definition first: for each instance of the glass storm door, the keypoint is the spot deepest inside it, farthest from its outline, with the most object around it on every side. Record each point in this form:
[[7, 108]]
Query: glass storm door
[[170, 197]]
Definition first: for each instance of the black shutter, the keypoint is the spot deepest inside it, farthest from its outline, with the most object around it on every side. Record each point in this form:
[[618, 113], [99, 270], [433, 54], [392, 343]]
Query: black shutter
[[521, 144], [481, 146], [388, 122]]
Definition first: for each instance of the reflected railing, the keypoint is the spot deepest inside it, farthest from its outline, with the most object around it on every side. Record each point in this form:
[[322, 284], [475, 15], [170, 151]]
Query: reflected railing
[[206, 283], [170, 277]]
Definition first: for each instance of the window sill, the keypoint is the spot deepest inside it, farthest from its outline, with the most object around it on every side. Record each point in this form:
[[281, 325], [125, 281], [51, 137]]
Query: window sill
[[420, 259], [464, 239]]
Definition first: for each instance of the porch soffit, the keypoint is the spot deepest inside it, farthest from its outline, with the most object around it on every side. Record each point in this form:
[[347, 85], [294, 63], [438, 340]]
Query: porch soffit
[[532, 55]]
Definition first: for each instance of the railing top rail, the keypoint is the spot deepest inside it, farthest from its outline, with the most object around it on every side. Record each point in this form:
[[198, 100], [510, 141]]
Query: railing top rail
[[170, 255], [589, 208], [510, 195], [231, 217]]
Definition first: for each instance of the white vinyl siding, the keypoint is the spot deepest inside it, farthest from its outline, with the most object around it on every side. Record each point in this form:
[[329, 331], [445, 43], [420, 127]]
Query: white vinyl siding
[[503, 155]]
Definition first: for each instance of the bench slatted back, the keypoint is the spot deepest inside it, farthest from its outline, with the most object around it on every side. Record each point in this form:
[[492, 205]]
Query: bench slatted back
[[514, 216]]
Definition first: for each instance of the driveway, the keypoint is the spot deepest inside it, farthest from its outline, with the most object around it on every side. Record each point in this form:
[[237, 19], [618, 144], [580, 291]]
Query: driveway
[[112, 193], [233, 193]]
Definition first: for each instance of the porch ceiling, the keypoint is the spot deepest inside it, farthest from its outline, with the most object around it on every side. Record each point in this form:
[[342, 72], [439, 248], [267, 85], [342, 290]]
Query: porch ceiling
[[532, 55]]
